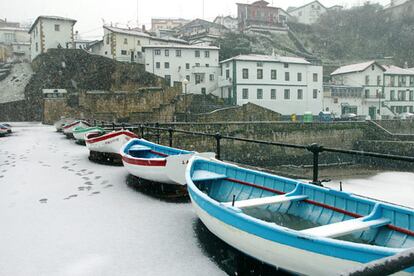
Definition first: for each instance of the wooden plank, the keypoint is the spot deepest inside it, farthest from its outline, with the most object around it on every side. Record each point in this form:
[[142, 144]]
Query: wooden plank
[[345, 227], [202, 175], [256, 202]]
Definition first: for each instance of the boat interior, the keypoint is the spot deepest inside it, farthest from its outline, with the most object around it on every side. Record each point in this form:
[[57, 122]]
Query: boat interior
[[309, 209], [143, 149]]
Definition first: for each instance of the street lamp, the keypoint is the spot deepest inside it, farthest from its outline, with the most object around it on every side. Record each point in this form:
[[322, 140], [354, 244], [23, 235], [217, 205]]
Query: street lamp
[[185, 82]]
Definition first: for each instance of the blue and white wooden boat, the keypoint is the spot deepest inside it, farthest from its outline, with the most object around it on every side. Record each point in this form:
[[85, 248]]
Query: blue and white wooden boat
[[4, 129], [155, 162], [296, 226]]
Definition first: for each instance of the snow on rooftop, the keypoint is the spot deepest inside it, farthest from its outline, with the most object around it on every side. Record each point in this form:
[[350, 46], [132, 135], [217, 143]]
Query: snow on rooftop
[[265, 58], [395, 70], [357, 67]]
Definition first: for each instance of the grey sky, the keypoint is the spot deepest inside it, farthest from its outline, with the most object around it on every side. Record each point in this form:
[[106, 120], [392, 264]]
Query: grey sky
[[90, 13]]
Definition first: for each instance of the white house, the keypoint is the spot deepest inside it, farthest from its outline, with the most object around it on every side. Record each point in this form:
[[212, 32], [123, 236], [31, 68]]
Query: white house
[[370, 89], [126, 44], [310, 12], [229, 22], [198, 64], [16, 42], [167, 23], [287, 85], [48, 32]]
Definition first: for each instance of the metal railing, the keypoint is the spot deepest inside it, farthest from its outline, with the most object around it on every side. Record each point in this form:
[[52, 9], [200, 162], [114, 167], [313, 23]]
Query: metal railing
[[314, 148]]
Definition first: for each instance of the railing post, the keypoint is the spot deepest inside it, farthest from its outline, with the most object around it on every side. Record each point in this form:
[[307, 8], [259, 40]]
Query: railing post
[[157, 125], [102, 124], [123, 126], [142, 130], [170, 136], [218, 138], [94, 122], [113, 126], [315, 149]]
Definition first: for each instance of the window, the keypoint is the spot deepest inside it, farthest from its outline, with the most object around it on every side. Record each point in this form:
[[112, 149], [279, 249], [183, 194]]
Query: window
[[203, 90], [315, 77], [273, 94], [207, 54], [402, 81], [259, 94], [167, 53], [211, 77], [207, 65], [198, 78], [367, 93], [378, 80], [166, 65], [287, 76], [286, 65], [315, 93], [157, 52], [138, 42], [392, 95], [401, 95], [273, 74], [158, 65], [197, 64], [287, 94], [57, 27], [299, 76], [178, 53], [245, 73], [37, 46], [187, 66], [125, 40], [372, 67], [188, 77], [245, 94], [107, 39], [197, 53], [300, 94], [411, 81], [392, 81], [411, 95], [168, 80], [260, 64], [259, 74], [227, 74], [366, 80], [123, 52]]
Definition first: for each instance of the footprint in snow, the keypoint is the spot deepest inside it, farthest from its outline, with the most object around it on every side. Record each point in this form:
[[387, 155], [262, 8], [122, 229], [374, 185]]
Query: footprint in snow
[[108, 186], [43, 200], [88, 183], [95, 193]]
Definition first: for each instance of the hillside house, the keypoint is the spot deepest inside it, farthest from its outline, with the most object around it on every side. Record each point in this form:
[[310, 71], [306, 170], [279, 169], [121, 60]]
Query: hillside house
[[229, 22], [310, 12], [48, 32], [198, 64], [259, 16], [285, 85], [201, 31], [158, 24]]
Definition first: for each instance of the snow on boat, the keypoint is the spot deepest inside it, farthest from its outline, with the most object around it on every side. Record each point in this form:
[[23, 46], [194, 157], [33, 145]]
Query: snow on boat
[[79, 133], [4, 130], [105, 148], [68, 128], [155, 162], [62, 122], [296, 226]]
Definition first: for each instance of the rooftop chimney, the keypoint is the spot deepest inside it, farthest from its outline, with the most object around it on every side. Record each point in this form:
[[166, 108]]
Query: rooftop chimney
[[143, 28]]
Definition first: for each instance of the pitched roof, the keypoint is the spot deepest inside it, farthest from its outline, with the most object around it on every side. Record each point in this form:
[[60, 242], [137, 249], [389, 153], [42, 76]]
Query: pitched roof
[[264, 58], [199, 21], [358, 67], [395, 3], [395, 70], [294, 9], [51, 17]]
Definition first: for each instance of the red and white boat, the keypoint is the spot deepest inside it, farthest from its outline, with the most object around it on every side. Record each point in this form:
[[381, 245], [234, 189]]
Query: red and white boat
[[68, 128], [105, 147]]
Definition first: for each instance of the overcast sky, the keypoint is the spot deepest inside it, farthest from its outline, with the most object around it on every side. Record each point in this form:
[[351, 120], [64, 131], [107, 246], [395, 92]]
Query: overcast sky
[[91, 13]]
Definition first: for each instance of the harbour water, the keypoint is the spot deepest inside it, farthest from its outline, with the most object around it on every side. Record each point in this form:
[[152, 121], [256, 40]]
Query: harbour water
[[63, 215]]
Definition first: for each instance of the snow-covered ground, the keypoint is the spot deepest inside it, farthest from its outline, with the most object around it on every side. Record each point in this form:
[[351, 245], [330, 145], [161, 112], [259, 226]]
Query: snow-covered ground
[[12, 87], [60, 214]]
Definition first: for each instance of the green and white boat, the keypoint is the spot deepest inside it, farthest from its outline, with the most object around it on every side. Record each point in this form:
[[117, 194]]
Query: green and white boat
[[80, 132]]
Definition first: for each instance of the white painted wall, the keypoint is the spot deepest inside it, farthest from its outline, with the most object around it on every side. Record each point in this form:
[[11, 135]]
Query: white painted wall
[[308, 14], [280, 84], [186, 65]]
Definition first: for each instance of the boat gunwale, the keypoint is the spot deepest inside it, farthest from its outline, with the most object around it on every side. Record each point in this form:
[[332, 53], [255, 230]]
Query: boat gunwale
[[110, 135]]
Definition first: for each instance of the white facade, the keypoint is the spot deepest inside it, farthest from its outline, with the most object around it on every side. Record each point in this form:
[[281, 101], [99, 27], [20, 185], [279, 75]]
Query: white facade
[[49, 32], [370, 89], [167, 23], [9, 35], [286, 85], [310, 13], [229, 22], [198, 64], [126, 45]]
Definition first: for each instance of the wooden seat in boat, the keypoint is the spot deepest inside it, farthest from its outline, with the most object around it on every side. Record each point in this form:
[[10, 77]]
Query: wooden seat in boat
[[201, 175], [346, 227], [256, 202], [139, 148]]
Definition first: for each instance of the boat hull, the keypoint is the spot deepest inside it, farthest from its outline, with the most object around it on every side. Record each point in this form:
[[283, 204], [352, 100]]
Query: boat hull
[[80, 135], [68, 129], [109, 143]]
